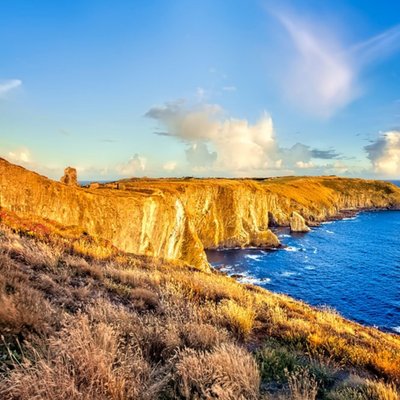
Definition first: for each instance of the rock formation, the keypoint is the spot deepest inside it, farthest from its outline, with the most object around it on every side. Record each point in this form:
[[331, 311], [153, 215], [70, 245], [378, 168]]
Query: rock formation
[[70, 177], [297, 223], [178, 218]]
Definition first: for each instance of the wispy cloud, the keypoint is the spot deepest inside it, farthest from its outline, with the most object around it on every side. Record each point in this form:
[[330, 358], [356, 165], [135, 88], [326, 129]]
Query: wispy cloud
[[107, 140], [7, 86], [377, 47], [229, 88], [323, 71]]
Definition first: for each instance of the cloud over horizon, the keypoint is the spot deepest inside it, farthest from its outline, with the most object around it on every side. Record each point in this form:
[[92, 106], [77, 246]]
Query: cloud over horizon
[[218, 144], [384, 154]]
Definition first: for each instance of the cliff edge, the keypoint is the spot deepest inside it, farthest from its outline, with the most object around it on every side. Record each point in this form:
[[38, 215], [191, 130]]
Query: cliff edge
[[179, 218]]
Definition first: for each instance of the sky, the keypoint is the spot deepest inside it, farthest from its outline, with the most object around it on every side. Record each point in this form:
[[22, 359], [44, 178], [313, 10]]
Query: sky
[[234, 88]]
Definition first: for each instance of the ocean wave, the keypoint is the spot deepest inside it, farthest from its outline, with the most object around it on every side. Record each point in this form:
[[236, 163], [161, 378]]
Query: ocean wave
[[255, 257], [225, 268], [330, 232], [292, 248], [253, 280], [309, 267], [288, 273], [396, 329]]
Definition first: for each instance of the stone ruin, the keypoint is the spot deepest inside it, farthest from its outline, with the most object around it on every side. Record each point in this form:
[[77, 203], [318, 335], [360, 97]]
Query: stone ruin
[[70, 177]]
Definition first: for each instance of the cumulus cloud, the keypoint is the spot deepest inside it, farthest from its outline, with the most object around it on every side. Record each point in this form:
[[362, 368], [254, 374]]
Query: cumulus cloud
[[322, 73], [384, 154], [170, 166], [198, 155], [232, 146], [8, 85], [22, 155], [135, 165], [304, 165], [194, 124], [224, 143]]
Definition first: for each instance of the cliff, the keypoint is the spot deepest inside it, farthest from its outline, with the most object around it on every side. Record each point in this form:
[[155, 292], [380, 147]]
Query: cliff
[[178, 218]]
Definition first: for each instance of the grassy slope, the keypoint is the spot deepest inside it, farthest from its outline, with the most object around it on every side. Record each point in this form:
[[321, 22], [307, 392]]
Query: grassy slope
[[81, 320]]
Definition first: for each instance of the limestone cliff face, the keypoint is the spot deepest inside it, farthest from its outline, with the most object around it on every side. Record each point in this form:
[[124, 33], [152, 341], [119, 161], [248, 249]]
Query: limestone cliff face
[[297, 223], [154, 225], [178, 218]]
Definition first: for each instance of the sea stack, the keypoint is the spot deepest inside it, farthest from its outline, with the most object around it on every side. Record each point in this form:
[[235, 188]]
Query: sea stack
[[70, 177], [297, 223]]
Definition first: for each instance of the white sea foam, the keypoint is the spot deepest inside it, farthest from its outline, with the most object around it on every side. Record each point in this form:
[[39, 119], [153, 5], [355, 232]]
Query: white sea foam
[[291, 248], [396, 329], [288, 273], [226, 268], [309, 267], [326, 222], [253, 280], [330, 232], [283, 235], [255, 257]]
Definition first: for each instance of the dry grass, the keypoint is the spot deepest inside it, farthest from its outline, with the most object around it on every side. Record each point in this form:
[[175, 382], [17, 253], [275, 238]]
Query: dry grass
[[129, 327], [240, 320], [228, 373]]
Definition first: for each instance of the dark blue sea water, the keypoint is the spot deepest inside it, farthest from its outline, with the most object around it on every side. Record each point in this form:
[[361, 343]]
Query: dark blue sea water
[[351, 265]]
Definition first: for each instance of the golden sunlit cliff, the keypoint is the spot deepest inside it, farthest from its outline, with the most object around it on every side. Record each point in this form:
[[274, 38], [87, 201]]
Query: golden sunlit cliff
[[179, 218]]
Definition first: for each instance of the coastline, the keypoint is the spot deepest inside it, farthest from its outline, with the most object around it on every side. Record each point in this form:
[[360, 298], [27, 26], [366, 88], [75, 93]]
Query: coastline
[[248, 264]]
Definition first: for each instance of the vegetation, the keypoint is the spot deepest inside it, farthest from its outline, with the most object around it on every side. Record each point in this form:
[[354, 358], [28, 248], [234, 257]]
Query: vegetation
[[90, 322]]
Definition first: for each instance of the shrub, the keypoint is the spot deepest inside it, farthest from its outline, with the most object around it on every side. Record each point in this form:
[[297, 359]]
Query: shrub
[[275, 363], [144, 299], [202, 336], [227, 373], [302, 385], [364, 390], [81, 364]]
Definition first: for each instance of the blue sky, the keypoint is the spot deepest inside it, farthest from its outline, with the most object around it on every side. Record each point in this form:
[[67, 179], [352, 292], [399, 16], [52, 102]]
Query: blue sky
[[203, 88]]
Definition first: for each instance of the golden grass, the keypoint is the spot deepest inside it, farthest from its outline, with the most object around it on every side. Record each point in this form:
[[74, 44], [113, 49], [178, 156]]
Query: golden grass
[[76, 326]]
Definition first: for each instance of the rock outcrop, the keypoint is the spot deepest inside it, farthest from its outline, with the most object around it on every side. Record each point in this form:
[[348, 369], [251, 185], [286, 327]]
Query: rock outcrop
[[179, 218], [297, 223], [70, 177]]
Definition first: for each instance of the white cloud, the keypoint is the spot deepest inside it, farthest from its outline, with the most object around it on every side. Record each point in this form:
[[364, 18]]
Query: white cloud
[[8, 85], [320, 76], [322, 71], [170, 166], [221, 145], [384, 154], [22, 155], [305, 165], [198, 155], [136, 164]]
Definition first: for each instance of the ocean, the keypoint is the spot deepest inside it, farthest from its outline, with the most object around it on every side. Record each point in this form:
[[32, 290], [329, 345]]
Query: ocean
[[351, 265]]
